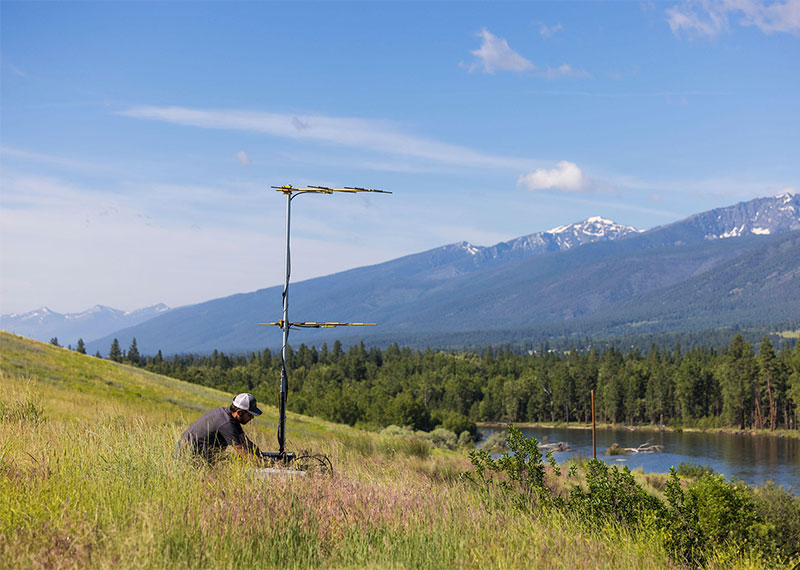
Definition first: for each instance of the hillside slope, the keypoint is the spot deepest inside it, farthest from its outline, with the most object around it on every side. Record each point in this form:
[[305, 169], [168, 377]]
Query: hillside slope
[[87, 481]]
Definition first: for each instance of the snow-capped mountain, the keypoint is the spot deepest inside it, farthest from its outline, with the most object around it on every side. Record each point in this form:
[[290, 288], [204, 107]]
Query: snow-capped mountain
[[762, 216], [565, 237], [44, 323], [463, 257]]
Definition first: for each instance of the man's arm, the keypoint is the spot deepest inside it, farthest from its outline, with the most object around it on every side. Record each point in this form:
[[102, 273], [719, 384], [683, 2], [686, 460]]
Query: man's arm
[[246, 448]]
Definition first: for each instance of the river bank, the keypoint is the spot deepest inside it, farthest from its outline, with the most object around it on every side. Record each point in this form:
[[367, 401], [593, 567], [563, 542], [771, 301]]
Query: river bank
[[781, 433]]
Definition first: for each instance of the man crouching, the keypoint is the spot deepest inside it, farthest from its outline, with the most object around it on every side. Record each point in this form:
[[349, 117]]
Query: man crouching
[[212, 433]]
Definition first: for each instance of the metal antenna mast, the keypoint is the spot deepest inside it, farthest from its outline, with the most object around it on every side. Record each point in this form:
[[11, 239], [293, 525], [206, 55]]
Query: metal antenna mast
[[291, 192]]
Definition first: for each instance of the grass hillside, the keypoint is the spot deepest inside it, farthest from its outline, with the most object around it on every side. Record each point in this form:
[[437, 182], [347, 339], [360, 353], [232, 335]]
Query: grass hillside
[[87, 481]]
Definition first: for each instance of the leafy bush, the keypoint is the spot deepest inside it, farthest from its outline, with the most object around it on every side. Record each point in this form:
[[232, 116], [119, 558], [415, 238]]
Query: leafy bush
[[465, 440], [458, 423], [496, 443], [681, 529], [725, 510], [694, 470], [519, 472], [405, 440], [613, 495], [778, 516], [442, 438]]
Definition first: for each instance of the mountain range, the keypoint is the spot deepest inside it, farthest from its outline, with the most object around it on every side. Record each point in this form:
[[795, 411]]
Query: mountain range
[[44, 324], [733, 266]]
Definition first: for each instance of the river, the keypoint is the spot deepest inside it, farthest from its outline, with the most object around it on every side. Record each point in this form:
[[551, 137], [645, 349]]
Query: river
[[753, 459]]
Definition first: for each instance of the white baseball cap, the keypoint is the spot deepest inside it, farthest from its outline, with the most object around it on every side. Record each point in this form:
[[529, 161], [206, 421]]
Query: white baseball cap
[[247, 402]]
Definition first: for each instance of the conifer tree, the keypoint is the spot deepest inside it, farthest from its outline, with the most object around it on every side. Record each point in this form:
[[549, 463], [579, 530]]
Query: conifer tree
[[81, 348], [768, 376], [737, 379], [114, 352], [133, 355]]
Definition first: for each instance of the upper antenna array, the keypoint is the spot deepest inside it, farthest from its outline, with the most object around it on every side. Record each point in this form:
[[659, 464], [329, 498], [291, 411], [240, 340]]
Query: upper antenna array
[[289, 189]]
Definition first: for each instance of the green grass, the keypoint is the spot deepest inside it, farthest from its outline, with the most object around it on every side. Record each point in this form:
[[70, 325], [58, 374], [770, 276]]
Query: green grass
[[87, 481]]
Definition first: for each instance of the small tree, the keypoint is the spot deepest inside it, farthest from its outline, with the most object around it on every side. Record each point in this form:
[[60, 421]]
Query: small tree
[[115, 353], [81, 348], [133, 355], [54, 341]]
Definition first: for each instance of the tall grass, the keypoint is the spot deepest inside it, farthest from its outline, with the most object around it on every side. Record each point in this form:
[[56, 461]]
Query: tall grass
[[88, 481]]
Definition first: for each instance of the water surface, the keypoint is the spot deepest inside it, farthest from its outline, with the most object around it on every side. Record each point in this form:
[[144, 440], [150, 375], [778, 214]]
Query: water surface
[[753, 459]]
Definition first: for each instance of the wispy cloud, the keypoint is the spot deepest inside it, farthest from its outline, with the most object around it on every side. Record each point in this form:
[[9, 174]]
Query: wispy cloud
[[242, 157], [565, 70], [565, 177], [369, 135], [548, 31], [708, 18], [496, 55], [60, 161], [177, 241]]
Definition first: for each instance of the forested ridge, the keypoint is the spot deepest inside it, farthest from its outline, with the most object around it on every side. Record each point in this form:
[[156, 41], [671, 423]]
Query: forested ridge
[[737, 387]]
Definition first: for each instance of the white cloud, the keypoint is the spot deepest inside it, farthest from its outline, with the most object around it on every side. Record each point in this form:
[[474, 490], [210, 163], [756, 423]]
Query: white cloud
[[775, 17], [548, 31], [565, 70], [711, 17], [496, 55], [363, 134], [566, 177], [242, 157]]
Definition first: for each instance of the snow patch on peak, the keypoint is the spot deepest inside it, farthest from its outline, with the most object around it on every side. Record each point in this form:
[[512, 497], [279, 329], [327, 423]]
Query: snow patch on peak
[[733, 232], [600, 220], [466, 246], [761, 231]]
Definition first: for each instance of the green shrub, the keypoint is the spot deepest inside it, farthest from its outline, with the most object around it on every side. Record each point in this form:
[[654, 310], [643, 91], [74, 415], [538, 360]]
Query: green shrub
[[613, 495], [441, 438], [681, 531], [693, 470], [778, 520], [725, 510], [404, 440], [459, 423], [519, 472], [466, 440], [496, 443]]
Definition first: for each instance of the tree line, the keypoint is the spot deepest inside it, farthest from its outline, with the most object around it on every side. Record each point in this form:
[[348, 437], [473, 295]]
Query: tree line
[[737, 387]]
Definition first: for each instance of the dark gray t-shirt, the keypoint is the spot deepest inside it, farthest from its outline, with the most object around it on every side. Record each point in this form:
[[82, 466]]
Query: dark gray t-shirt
[[213, 432]]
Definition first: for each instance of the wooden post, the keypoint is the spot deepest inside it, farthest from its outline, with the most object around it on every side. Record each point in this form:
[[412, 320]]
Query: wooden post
[[594, 440]]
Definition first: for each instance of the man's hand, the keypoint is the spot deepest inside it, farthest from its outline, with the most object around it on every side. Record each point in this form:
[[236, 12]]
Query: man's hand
[[249, 450]]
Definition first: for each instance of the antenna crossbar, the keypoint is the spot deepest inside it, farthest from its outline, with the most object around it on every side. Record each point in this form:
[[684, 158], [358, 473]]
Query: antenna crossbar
[[316, 325], [289, 189]]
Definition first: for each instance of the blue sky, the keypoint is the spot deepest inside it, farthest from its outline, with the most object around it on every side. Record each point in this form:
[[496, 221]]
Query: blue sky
[[138, 141]]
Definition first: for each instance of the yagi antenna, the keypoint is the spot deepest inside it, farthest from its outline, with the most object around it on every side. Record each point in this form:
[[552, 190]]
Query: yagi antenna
[[320, 325], [292, 192]]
